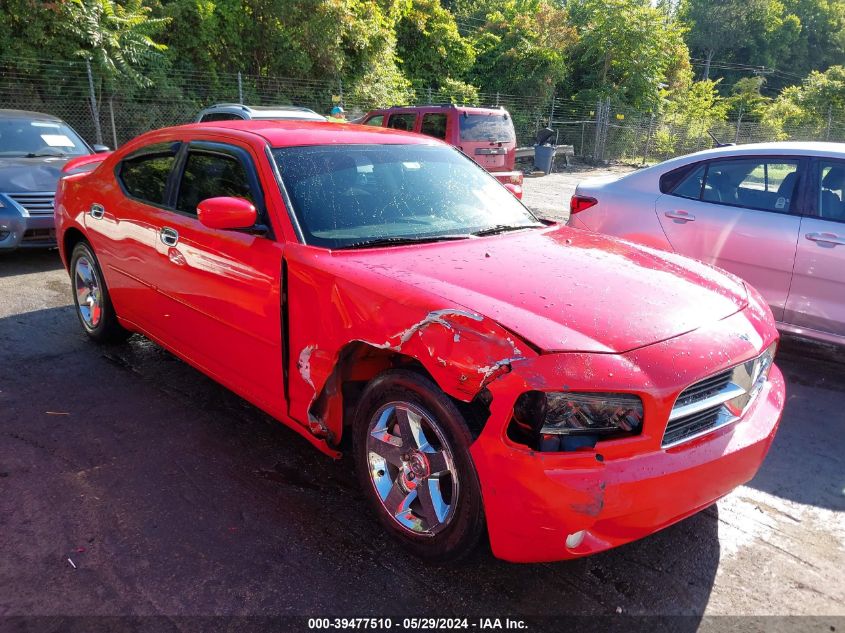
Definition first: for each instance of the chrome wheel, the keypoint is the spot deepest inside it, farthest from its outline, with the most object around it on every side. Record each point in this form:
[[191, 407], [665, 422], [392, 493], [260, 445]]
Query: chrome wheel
[[88, 294], [412, 468]]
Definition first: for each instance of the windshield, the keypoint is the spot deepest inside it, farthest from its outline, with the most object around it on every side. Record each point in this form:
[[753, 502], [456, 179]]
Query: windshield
[[495, 127], [28, 138], [350, 195]]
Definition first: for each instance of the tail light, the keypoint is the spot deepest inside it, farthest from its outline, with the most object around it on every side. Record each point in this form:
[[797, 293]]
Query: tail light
[[580, 203]]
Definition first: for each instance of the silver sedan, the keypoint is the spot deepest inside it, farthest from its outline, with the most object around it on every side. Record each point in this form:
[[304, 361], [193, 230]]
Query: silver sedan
[[773, 214]]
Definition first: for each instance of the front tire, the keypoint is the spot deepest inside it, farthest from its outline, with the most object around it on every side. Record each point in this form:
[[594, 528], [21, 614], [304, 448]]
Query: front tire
[[91, 297], [411, 452]]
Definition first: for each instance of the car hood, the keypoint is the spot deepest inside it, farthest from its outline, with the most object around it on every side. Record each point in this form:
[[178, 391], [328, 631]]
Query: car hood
[[30, 174], [567, 290]]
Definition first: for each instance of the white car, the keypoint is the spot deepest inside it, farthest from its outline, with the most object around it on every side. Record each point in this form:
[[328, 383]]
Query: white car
[[773, 214]]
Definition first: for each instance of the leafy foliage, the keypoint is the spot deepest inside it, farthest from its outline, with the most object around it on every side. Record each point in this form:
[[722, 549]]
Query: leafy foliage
[[635, 52], [116, 38]]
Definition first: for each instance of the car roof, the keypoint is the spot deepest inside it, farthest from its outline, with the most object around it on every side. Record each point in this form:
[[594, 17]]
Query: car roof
[[284, 111], [797, 148], [290, 133], [442, 107], [26, 114]]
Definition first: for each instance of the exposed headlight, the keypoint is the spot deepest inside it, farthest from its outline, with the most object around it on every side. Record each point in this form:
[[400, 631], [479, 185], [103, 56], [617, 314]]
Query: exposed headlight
[[569, 420]]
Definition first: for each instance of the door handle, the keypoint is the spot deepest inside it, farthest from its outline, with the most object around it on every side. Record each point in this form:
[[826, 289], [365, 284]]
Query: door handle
[[168, 236], [97, 211], [684, 216], [826, 238]]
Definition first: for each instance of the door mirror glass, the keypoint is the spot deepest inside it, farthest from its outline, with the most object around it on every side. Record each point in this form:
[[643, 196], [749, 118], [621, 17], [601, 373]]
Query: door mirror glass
[[227, 213]]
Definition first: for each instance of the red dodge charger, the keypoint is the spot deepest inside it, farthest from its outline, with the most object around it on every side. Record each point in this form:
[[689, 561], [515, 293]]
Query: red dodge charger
[[566, 391]]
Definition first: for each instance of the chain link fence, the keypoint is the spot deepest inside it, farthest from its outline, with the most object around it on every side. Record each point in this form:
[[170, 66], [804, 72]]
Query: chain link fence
[[114, 113]]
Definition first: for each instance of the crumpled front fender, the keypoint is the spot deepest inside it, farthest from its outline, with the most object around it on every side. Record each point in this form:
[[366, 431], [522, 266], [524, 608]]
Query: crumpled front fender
[[337, 321]]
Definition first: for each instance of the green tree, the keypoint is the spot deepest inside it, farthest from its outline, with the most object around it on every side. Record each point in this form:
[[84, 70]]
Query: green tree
[[627, 49], [747, 100], [821, 40], [429, 45], [810, 107], [116, 38], [521, 47]]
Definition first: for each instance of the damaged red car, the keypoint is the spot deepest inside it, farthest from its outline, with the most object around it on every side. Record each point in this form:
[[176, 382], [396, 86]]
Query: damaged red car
[[378, 292]]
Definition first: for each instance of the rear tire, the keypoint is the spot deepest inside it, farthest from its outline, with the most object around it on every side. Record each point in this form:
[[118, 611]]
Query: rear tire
[[411, 452], [91, 297]]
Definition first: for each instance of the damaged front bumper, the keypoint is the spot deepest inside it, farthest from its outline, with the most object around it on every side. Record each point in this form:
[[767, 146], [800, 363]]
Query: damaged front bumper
[[544, 506]]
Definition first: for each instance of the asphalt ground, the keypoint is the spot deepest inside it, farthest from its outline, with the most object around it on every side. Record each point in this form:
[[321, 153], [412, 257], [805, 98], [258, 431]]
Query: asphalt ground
[[132, 485]]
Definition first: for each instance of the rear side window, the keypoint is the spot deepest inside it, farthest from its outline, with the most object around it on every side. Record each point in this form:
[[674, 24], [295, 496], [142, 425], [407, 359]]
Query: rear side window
[[402, 122], [494, 127], [145, 176], [376, 121], [434, 125], [211, 175], [755, 183], [689, 184]]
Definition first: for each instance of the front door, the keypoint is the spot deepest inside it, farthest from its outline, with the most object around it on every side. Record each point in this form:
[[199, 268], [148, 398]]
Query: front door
[[221, 288], [817, 298], [741, 215]]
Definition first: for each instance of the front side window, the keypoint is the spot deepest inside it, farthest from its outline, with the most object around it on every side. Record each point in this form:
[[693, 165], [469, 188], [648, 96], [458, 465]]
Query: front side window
[[434, 125], [755, 183], [831, 195], [402, 122], [494, 127], [211, 175], [145, 176], [376, 121], [25, 138], [348, 195]]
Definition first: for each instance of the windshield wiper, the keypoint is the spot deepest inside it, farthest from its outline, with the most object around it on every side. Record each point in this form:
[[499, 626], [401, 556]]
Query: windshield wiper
[[50, 155], [398, 241], [503, 228]]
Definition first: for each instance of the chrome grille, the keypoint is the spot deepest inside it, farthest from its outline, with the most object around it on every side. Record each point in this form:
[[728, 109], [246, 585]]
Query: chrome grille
[[704, 388], [717, 400], [40, 203]]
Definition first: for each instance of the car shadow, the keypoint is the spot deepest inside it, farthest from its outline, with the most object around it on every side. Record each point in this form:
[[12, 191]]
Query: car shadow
[[166, 489], [805, 463], [23, 262]]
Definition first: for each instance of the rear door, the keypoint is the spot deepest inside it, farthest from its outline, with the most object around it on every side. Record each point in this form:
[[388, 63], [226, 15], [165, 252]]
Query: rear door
[[817, 297], [119, 226], [221, 288], [743, 215]]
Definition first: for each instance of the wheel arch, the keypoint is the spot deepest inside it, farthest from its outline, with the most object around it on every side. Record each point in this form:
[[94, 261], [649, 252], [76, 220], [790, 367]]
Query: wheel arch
[[359, 362], [71, 237]]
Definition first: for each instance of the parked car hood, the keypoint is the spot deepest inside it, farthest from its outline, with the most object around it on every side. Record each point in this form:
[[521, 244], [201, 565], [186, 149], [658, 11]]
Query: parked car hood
[[30, 174], [568, 290]]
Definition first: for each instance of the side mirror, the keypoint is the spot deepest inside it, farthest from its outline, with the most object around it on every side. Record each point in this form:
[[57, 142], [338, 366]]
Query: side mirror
[[101, 149], [516, 190], [227, 213]]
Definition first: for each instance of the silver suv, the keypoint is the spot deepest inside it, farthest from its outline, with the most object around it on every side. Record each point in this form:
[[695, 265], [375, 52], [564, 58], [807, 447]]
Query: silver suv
[[240, 112], [33, 149]]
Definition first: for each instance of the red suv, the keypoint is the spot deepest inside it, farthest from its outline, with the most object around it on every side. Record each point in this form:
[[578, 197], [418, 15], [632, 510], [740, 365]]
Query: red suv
[[484, 134]]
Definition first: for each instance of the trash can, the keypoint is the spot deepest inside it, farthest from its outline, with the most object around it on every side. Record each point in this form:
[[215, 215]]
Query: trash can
[[544, 157]]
